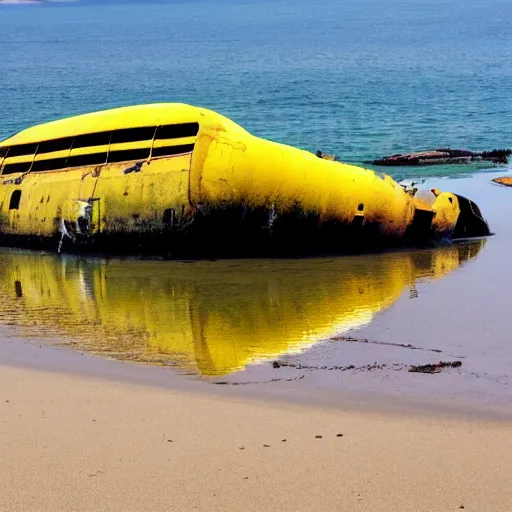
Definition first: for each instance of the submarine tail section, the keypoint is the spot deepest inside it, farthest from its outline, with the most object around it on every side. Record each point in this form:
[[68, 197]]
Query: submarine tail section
[[244, 186]]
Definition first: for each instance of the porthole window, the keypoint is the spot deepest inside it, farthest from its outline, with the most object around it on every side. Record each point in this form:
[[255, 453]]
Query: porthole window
[[14, 204]]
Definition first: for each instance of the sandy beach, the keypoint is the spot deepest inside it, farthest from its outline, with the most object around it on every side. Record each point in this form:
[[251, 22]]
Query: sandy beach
[[378, 381], [76, 443]]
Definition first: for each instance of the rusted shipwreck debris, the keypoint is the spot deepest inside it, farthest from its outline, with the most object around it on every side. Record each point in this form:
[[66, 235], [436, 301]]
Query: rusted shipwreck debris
[[444, 156]]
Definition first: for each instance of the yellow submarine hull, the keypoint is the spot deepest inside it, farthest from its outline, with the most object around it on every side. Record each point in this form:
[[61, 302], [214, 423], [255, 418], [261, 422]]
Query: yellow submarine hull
[[225, 191]]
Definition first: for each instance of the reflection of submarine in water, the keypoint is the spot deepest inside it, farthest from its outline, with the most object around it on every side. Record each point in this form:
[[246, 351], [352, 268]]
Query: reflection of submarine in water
[[209, 317]]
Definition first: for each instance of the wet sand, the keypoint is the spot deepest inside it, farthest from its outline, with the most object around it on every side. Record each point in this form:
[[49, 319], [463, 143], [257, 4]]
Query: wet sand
[[87, 444], [82, 432]]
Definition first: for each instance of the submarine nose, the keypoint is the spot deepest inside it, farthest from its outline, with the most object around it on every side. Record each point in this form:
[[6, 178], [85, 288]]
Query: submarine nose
[[470, 222]]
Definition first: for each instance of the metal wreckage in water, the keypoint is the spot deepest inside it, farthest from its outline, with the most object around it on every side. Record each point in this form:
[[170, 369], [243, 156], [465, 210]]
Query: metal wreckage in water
[[177, 179]]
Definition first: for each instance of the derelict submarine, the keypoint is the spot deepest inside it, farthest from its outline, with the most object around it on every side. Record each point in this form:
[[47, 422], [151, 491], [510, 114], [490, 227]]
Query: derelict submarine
[[179, 179]]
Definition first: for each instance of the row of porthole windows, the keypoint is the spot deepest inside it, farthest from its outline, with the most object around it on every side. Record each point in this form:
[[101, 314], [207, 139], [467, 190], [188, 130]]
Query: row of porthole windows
[[14, 204]]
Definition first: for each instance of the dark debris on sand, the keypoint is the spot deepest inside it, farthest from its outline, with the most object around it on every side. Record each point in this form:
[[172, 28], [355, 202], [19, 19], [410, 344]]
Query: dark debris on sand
[[425, 368], [435, 368]]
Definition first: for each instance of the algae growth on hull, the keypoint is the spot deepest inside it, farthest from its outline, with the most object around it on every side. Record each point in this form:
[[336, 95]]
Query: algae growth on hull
[[208, 318]]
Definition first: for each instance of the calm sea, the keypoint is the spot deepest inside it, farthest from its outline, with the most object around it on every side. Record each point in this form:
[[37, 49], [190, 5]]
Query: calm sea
[[359, 78]]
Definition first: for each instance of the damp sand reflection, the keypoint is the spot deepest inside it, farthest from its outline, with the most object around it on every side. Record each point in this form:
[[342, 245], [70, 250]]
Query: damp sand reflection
[[208, 318]]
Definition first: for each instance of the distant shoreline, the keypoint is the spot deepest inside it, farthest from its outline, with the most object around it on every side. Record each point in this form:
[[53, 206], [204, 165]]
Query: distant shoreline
[[21, 2], [35, 2]]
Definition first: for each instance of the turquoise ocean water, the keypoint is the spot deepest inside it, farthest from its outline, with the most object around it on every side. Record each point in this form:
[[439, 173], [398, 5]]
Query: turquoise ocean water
[[358, 78]]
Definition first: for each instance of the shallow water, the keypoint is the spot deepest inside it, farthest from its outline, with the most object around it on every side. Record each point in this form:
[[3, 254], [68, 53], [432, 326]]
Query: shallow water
[[209, 318], [359, 78]]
